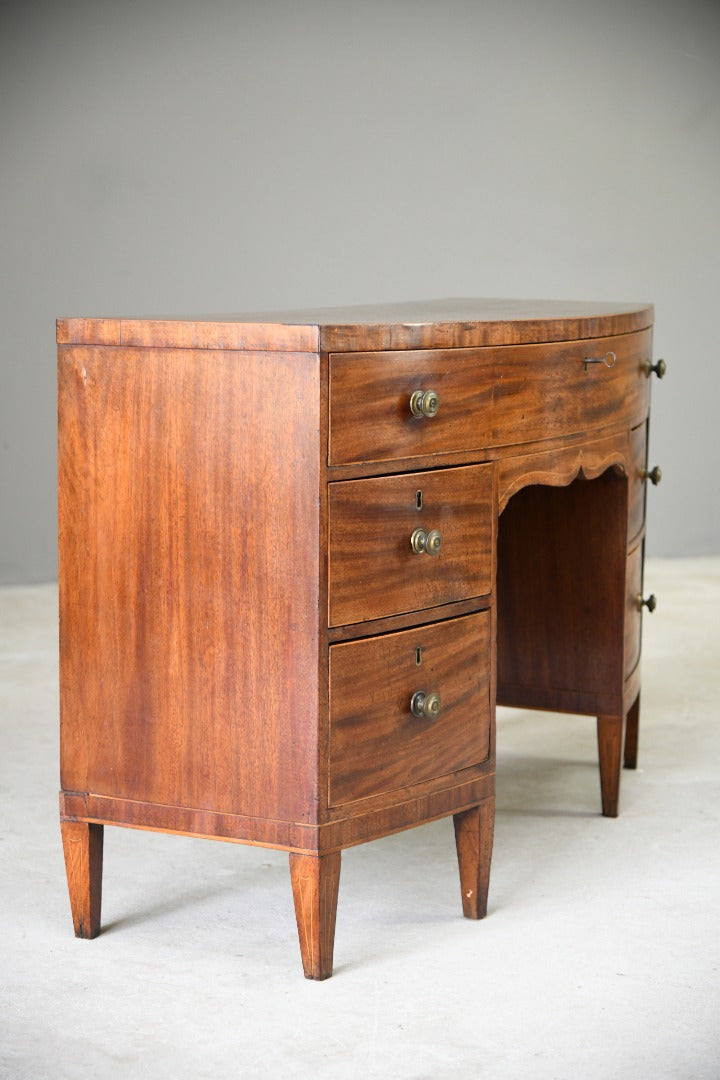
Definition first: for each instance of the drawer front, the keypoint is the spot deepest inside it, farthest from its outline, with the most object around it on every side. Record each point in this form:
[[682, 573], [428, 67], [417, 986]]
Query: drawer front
[[487, 397], [636, 481], [377, 744], [374, 571], [633, 618]]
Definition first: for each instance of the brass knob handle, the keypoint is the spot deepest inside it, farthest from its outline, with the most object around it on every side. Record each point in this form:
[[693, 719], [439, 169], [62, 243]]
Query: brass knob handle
[[424, 403], [650, 603], [425, 706], [428, 542], [660, 368], [653, 475]]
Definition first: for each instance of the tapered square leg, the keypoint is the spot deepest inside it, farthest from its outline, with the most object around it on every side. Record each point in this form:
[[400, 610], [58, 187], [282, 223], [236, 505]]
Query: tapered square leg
[[83, 848], [474, 830], [611, 732], [631, 734], [315, 880]]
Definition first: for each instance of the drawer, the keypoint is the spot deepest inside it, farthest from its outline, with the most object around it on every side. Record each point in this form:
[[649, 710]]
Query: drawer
[[377, 744], [636, 481], [487, 397], [633, 617], [374, 571]]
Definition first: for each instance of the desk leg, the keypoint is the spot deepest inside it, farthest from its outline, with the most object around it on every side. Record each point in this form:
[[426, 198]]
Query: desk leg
[[315, 880], [631, 734], [474, 831], [611, 730], [83, 848]]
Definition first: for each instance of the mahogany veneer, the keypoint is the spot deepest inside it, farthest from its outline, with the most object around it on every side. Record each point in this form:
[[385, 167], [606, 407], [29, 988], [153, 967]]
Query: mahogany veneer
[[250, 647]]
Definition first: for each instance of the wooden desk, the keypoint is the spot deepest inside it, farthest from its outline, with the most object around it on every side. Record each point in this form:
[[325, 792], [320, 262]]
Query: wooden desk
[[302, 557]]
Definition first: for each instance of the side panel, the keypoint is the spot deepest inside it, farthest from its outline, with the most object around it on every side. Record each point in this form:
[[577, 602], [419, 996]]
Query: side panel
[[188, 531]]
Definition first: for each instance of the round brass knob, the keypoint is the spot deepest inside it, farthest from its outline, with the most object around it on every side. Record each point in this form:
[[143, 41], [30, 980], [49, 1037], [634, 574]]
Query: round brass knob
[[433, 542], [425, 706], [428, 542], [654, 475], [424, 403], [660, 368], [650, 603]]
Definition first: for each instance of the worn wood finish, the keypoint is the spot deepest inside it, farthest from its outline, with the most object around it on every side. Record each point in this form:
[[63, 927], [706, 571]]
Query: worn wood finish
[[474, 831], [373, 817], [561, 465], [179, 334], [466, 323], [239, 604], [315, 881], [376, 743], [610, 735], [373, 570], [391, 623], [83, 850], [88, 332], [189, 578], [482, 394], [424, 324], [504, 458]]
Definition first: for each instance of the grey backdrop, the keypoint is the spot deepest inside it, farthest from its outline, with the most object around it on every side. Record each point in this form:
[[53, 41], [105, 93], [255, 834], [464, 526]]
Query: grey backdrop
[[177, 158]]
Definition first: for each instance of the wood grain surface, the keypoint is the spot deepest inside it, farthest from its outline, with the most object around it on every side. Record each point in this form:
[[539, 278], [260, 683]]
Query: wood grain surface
[[638, 486], [425, 324], [589, 458], [474, 833], [315, 881], [633, 618], [243, 622], [488, 397], [370, 818], [376, 743], [83, 850], [561, 595], [189, 578], [373, 571]]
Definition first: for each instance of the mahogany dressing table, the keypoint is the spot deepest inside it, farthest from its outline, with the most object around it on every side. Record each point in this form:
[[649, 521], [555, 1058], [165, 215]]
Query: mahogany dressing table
[[302, 557]]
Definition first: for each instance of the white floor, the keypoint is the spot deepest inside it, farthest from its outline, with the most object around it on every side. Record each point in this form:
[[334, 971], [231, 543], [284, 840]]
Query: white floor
[[598, 959]]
